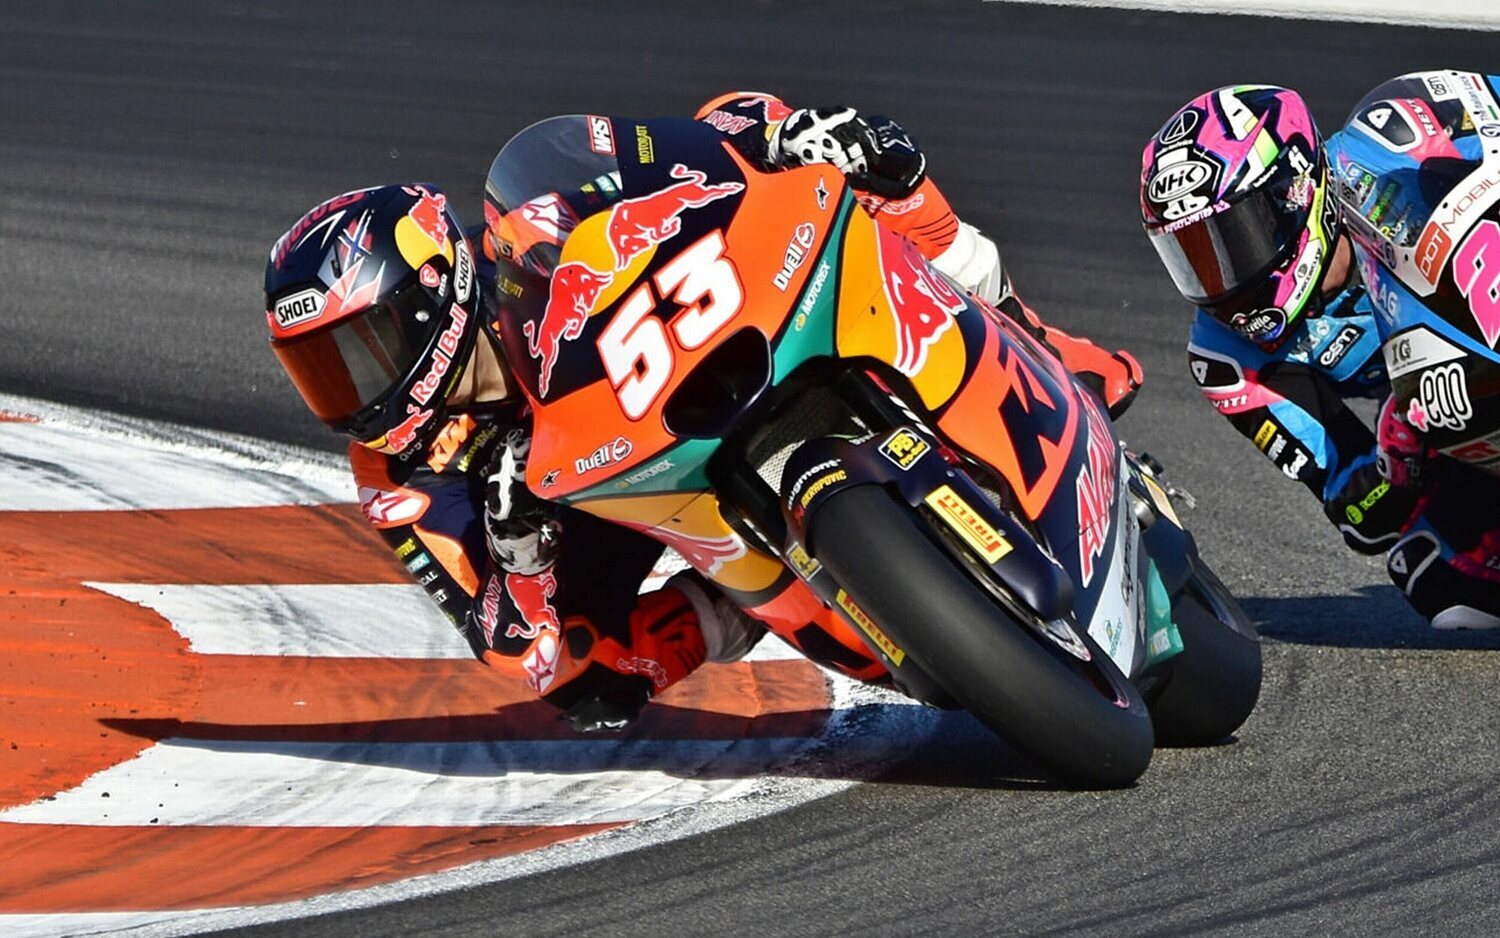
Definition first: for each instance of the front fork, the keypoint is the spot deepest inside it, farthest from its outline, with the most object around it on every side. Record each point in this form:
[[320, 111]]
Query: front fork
[[897, 451]]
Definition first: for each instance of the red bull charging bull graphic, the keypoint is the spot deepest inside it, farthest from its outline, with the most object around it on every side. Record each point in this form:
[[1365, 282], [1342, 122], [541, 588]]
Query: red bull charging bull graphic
[[532, 597], [922, 301], [634, 227], [428, 214], [574, 290]]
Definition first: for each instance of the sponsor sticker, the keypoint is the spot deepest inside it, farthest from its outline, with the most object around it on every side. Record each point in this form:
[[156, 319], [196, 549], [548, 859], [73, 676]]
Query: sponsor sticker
[[607, 455], [302, 306], [1177, 180], [821, 483], [645, 151], [1442, 399], [1179, 127], [1340, 346], [601, 135], [802, 562], [867, 625], [967, 523], [796, 252], [1415, 350], [904, 448], [463, 274]]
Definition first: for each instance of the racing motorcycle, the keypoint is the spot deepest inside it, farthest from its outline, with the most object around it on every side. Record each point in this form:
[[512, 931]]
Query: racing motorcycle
[[895, 477]]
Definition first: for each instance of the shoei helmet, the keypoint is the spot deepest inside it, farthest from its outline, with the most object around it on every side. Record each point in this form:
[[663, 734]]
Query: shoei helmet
[[372, 307], [1234, 196]]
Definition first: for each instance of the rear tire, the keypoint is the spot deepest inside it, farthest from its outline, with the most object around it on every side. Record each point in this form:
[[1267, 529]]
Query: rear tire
[[1081, 721], [1212, 686]]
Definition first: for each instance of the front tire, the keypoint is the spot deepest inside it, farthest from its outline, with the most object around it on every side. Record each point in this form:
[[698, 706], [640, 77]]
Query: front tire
[[1080, 720], [1213, 684]]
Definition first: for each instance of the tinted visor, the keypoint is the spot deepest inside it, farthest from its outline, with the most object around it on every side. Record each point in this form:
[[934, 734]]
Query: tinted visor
[[1212, 259], [357, 363]]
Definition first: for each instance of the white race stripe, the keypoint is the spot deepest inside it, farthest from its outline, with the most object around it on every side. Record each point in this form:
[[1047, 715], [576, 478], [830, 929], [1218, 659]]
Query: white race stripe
[[387, 620], [1463, 14], [286, 784], [71, 461]]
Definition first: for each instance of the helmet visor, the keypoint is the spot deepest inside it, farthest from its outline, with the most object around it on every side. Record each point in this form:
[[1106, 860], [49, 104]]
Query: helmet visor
[[1212, 259], [344, 369]]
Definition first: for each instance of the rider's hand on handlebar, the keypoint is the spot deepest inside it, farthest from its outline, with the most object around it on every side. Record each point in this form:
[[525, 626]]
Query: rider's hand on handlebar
[[877, 154]]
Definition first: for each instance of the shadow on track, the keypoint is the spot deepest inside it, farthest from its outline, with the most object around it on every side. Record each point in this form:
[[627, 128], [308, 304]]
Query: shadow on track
[[1376, 617]]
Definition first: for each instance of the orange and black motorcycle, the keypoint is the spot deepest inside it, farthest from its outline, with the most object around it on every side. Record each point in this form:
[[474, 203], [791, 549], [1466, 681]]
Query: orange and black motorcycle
[[894, 476]]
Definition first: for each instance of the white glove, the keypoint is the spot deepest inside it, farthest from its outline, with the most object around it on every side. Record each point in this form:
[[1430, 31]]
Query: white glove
[[836, 136]]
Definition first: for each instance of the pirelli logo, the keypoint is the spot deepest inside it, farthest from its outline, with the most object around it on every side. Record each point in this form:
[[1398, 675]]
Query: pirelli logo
[[968, 525], [867, 625]]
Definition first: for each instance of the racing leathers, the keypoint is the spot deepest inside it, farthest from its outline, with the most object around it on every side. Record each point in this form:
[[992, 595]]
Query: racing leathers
[[1436, 519], [551, 595]]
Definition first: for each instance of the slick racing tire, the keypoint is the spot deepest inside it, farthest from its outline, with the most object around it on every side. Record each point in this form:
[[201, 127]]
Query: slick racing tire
[[1081, 721], [1209, 688]]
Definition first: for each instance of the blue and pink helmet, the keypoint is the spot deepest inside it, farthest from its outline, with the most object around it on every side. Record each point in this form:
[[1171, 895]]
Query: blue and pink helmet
[[1235, 199]]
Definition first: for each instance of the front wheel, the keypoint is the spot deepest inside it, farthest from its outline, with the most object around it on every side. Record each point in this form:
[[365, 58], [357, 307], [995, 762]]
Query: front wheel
[[1073, 712], [1211, 686]]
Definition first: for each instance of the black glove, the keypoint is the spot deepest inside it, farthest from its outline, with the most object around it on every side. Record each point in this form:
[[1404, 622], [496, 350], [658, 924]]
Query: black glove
[[521, 530], [877, 155], [897, 166]]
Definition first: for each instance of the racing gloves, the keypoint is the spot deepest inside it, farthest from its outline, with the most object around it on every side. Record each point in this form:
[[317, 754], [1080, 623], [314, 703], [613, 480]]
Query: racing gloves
[[876, 155], [520, 529]]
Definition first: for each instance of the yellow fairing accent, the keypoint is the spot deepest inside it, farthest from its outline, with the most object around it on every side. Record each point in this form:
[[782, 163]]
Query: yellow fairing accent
[[867, 324]]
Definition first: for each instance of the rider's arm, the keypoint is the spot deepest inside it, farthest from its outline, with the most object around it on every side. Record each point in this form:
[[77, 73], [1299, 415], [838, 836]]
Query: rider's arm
[[883, 165], [1295, 414], [434, 522], [431, 522]]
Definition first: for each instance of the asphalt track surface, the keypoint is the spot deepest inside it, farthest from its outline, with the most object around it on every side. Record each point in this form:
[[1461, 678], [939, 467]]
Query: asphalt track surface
[[151, 152]]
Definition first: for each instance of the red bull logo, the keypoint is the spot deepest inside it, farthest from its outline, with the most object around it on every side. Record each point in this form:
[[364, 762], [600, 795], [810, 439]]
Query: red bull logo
[[429, 214], [399, 437], [922, 301], [635, 225], [532, 598], [574, 290]]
